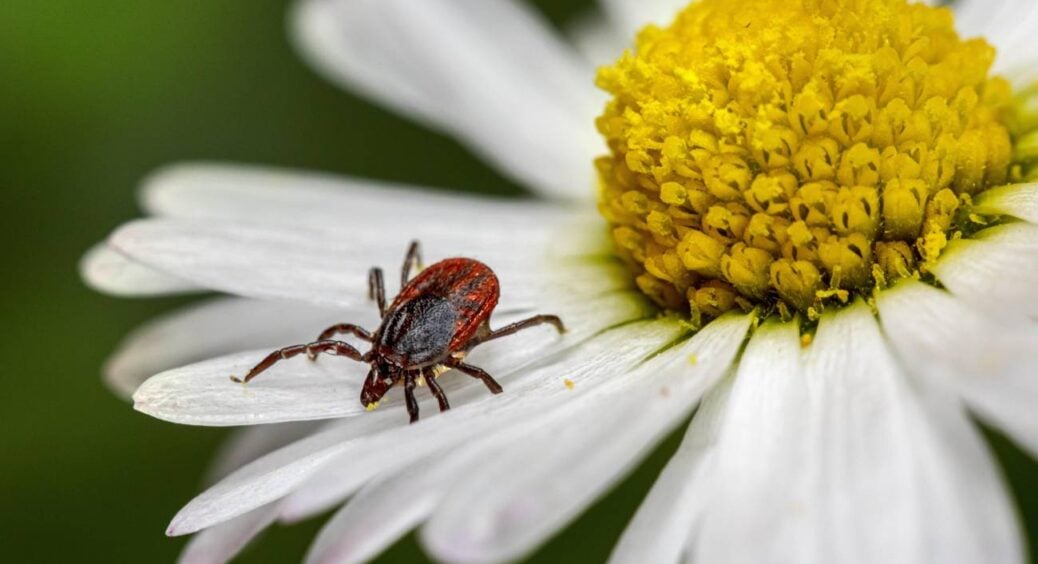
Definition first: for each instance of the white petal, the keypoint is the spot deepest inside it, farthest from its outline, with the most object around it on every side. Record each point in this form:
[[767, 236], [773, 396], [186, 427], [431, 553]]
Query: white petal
[[299, 389], [202, 394], [542, 477], [1007, 24], [597, 362], [968, 515], [221, 543], [760, 489], [1015, 200], [385, 510], [268, 478], [864, 506], [357, 445], [215, 328], [988, 361], [660, 529], [249, 443], [996, 270], [870, 468], [328, 268], [630, 16], [287, 197], [491, 73], [877, 463], [107, 270]]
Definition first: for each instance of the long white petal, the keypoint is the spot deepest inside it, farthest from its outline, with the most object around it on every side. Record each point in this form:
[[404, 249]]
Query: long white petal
[[997, 269], [864, 506], [491, 73], [202, 394], [871, 468], [659, 531], [761, 489], [215, 328], [1007, 24], [968, 514], [357, 445], [541, 478], [107, 270], [893, 471], [221, 543], [388, 509], [246, 444], [988, 361], [1016, 200], [288, 197], [300, 389], [598, 362], [330, 268]]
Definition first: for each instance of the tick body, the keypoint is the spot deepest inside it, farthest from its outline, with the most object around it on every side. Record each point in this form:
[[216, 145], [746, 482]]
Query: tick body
[[429, 328]]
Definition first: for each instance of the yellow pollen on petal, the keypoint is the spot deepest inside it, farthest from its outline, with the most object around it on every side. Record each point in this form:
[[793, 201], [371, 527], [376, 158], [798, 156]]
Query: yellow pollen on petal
[[793, 155]]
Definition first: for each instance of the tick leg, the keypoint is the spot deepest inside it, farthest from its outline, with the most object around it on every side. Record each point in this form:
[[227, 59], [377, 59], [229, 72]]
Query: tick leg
[[412, 404], [520, 325], [337, 348], [477, 372], [437, 391], [349, 328], [413, 259], [377, 289]]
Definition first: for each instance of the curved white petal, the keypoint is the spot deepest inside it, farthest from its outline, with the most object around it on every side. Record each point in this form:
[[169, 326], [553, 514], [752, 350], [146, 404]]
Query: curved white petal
[[881, 470], [221, 543], [761, 489], [385, 510], [357, 445], [659, 531], [1007, 24], [989, 362], [968, 514], [287, 197], [860, 467], [597, 362], [1015, 200], [491, 73], [107, 270], [630, 16], [249, 443], [541, 477], [330, 268], [215, 328], [299, 389], [997, 269]]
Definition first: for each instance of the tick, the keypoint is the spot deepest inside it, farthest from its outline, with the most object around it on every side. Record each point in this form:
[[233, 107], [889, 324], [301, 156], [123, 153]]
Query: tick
[[436, 319]]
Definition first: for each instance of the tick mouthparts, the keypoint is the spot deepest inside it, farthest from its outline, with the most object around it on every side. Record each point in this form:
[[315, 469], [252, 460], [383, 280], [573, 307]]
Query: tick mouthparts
[[237, 380]]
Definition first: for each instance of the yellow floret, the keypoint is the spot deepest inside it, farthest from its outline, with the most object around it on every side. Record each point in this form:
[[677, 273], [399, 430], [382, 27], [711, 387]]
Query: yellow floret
[[796, 153]]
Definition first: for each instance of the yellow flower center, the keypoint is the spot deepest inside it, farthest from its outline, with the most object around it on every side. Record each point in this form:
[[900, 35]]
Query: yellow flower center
[[790, 155]]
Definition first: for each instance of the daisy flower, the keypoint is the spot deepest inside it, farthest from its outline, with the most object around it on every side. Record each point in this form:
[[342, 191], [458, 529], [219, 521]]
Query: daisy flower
[[813, 236]]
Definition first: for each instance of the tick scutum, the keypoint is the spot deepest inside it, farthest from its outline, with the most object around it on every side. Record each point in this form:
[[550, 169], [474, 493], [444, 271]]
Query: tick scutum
[[419, 332]]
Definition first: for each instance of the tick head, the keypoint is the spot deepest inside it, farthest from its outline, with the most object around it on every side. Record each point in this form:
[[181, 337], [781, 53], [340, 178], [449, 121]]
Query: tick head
[[376, 385]]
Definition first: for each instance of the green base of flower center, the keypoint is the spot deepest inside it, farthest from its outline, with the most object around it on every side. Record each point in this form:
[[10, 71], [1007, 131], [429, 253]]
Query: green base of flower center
[[791, 155]]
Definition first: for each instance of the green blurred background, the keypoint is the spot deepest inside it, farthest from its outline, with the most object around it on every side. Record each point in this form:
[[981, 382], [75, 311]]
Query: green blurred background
[[94, 94]]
